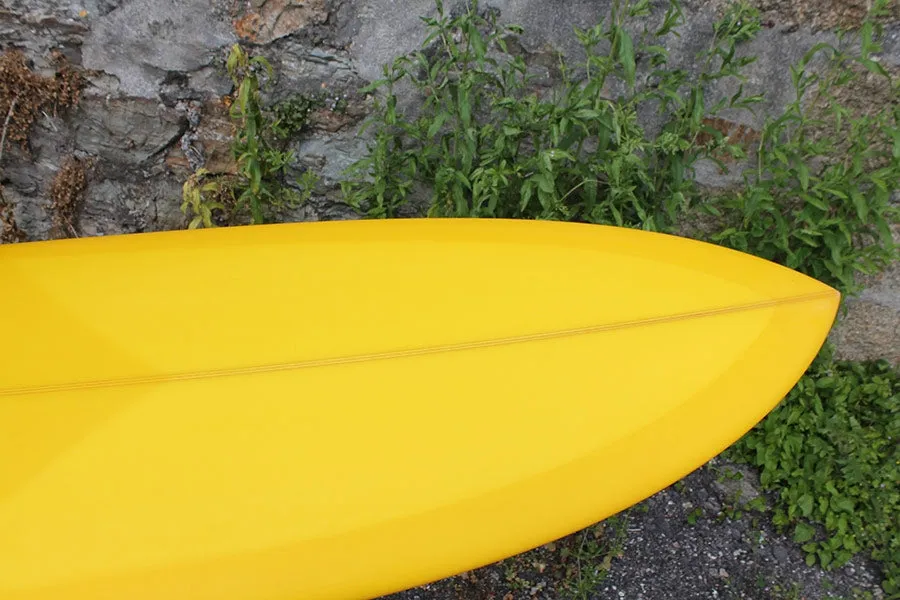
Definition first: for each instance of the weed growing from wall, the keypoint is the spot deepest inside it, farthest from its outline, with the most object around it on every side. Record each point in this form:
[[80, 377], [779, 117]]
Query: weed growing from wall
[[260, 182], [819, 197]]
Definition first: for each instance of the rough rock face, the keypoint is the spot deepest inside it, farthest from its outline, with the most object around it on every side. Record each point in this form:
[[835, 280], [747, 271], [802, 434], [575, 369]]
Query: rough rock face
[[153, 109], [871, 327], [269, 20], [143, 41]]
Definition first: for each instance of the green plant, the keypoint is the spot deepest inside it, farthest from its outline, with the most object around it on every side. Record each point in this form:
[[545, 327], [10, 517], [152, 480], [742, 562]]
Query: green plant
[[590, 557], [726, 474], [258, 149], [830, 453], [787, 593], [261, 165], [818, 199], [202, 195], [694, 515], [484, 144], [291, 116]]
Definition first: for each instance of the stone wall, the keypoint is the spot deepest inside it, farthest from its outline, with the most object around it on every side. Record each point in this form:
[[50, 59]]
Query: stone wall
[[154, 107]]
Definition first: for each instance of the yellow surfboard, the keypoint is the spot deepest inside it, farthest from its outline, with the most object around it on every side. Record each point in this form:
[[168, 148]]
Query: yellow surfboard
[[343, 410]]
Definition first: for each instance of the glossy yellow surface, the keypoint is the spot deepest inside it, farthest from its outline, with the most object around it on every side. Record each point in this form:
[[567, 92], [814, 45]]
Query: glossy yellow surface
[[342, 410]]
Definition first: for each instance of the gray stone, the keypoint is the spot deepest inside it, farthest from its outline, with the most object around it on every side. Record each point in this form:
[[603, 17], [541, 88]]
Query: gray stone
[[49, 144], [780, 553], [331, 155], [742, 490], [112, 207], [31, 213], [890, 45], [143, 40], [35, 10], [303, 69], [208, 81], [268, 20], [126, 132], [37, 26], [870, 330], [321, 208]]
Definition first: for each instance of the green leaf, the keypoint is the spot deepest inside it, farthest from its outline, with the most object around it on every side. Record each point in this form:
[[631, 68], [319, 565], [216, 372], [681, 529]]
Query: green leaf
[[547, 161], [814, 201], [803, 175], [815, 50], [262, 62], [436, 125], [862, 207], [805, 504], [544, 183], [671, 19], [586, 114], [833, 191], [803, 533], [873, 67], [525, 195], [736, 96], [465, 109], [244, 96], [477, 41], [865, 36], [626, 56], [657, 51], [697, 108], [641, 9], [845, 504], [884, 230]]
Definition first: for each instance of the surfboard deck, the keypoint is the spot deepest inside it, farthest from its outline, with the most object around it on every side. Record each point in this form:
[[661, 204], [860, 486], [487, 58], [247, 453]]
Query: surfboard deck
[[347, 409]]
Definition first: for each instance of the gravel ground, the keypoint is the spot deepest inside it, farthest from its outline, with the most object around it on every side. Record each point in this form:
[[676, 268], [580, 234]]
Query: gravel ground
[[702, 538]]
